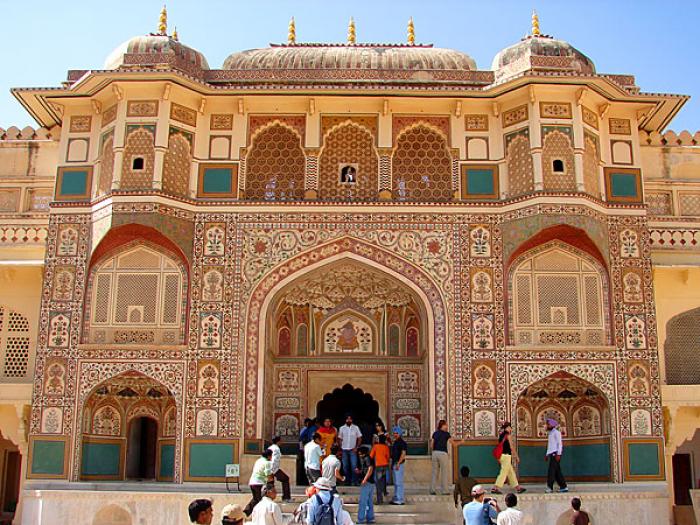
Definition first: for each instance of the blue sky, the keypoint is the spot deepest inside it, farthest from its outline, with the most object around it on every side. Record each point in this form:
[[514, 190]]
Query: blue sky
[[655, 41]]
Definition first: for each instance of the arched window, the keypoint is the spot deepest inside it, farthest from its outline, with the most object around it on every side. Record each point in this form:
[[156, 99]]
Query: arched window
[[137, 296], [558, 297]]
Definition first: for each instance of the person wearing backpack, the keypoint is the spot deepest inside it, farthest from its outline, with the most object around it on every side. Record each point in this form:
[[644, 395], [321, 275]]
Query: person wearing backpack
[[324, 507]]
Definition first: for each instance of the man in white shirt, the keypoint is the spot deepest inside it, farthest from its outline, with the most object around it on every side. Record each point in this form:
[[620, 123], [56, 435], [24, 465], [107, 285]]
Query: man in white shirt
[[510, 516], [312, 458], [330, 467], [350, 439], [277, 472], [555, 447], [262, 474], [267, 512]]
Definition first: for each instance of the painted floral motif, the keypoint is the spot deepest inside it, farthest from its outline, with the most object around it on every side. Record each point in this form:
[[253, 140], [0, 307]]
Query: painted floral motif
[[632, 288], [288, 380], [208, 384], [641, 422], [635, 332], [169, 426], [551, 413], [410, 426], [483, 382], [524, 422], [52, 420], [67, 241], [55, 379], [481, 287], [212, 286], [215, 236], [639, 381], [207, 423], [484, 424], [107, 422], [629, 244], [587, 421], [287, 425], [59, 330], [210, 330], [482, 331], [480, 245], [407, 382], [63, 285]]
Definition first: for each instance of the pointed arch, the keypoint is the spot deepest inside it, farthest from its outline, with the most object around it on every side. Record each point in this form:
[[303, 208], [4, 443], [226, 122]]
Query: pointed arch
[[275, 163], [422, 165]]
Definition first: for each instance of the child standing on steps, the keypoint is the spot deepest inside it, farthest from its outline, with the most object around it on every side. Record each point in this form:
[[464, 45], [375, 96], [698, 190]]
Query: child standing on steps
[[380, 455]]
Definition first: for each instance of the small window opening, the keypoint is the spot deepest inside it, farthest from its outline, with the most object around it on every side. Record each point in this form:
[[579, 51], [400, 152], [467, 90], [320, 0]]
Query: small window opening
[[137, 163], [558, 166]]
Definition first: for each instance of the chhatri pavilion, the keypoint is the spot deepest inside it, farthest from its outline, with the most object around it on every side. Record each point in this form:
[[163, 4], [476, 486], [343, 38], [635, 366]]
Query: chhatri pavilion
[[194, 260]]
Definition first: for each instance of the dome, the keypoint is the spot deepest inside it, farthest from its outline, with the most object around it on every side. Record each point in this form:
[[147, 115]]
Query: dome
[[411, 58], [156, 49], [541, 53]]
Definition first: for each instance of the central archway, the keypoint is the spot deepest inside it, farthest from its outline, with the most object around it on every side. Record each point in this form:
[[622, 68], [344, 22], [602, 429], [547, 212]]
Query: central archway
[[345, 400], [389, 323]]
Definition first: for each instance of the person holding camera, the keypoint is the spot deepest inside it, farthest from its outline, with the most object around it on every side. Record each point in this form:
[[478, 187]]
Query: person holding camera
[[480, 510]]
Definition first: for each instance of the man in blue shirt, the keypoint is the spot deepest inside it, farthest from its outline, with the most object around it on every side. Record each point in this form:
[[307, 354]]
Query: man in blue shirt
[[475, 511], [325, 495]]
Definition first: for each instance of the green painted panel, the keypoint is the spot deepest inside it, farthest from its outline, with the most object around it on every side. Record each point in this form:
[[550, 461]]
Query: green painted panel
[[210, 459], [577, 460], [480, 182], [167, 461], [417, 449], [217, 180], [623, 185], [479, 459], [74, 182], [644, 459], [48, 457], [101, 459]]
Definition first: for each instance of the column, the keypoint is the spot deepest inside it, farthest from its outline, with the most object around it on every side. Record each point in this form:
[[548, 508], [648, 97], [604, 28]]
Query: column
[[579, 147], [161, 143], [536, 145]]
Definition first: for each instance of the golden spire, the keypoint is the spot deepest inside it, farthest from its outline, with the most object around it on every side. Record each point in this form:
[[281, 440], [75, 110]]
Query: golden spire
[[292, 32], [411, 32], [351, 31], [175, 37], [535, 24], [163, 21]]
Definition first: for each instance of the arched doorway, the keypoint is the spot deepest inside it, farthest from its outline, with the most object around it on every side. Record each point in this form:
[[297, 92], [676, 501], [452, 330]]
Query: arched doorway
[[347, 320], [348, 400], [142, 446], [583, 414], [129, 424]]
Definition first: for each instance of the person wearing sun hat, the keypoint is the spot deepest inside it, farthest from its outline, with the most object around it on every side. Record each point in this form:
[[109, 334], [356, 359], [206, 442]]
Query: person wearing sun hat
[[232, 514], [323, 498], [475, 511]]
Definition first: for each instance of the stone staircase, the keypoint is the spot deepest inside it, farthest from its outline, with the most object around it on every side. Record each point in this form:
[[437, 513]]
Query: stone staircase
[[420, 508]]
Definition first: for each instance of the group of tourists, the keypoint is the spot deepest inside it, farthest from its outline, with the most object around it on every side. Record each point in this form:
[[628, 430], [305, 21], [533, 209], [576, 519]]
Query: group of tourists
[[329, 456]]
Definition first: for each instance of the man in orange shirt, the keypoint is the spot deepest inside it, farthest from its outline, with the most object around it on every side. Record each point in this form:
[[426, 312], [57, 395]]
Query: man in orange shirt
[[381, 454]]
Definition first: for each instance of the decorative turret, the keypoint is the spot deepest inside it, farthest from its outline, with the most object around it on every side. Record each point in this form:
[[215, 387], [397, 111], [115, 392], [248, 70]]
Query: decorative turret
[[157, 50], [538, 52], [292, 32]]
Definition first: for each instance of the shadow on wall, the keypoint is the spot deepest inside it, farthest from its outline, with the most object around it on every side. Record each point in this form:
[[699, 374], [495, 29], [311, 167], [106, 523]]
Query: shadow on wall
[[112, 515]]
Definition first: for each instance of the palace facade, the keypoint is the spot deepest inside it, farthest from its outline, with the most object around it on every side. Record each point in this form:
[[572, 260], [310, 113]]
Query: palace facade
[[195, 259]]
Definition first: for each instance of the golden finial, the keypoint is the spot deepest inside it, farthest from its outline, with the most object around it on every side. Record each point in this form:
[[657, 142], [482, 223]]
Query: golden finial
[[411, 32], [163, 21], [535, 24], [292, 32], [175, 36], [351, 31]]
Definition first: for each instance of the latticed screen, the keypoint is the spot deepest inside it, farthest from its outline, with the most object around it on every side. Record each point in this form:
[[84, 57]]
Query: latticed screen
[[14, 343], [139, 288], [558, 299]]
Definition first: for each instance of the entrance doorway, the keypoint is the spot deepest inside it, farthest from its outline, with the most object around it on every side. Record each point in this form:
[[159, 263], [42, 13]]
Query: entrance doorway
[[363, 408], [682, 478], [141, 449], [11, 479]]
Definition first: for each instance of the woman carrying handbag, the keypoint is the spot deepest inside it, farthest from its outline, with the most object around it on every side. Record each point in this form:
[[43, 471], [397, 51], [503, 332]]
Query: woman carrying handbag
[[506, 454]]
